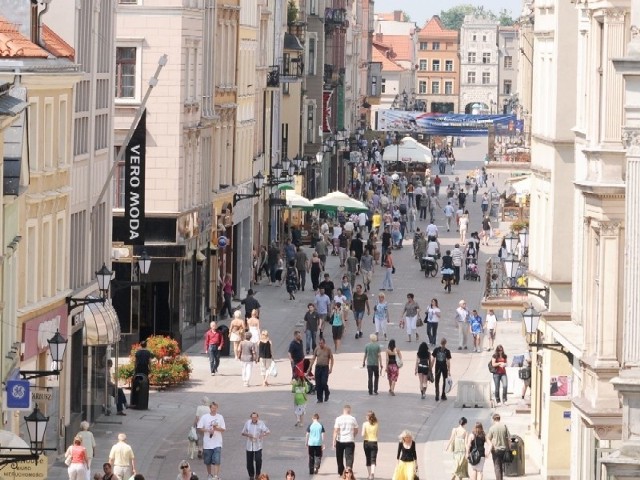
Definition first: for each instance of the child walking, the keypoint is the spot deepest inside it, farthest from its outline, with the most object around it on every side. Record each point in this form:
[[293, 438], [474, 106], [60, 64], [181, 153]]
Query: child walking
[[299, 389]]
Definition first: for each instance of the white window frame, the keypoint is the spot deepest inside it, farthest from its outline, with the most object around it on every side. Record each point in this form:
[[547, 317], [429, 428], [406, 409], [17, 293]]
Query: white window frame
[[435, 62], [137, 44], [446, 64], [422, 87], [469, 74], [449, 83], [63, 129], [435, 85], [49, 133], [34, 127], [423, 65], [312, 61]]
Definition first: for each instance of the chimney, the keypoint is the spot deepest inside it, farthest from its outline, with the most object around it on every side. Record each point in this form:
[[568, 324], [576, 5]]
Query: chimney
[[398, 15]]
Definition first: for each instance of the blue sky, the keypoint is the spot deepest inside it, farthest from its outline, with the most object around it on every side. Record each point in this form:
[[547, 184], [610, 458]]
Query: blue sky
[[421, 10]]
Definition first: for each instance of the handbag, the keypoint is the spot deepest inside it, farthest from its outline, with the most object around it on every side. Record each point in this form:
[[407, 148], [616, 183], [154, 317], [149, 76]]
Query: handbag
[[399, 362], [192, 436], [419, 322], [474, 456], [67, 460], [430, 376], [448, 385], [393, 269], [273, 370], [492, 369]]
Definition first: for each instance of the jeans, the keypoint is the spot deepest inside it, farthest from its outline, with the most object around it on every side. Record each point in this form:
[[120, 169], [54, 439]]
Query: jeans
[[497, 456], [121, 399], [302, 277], [448, 218], [310, 340], [423, 213], [214, 358], [441, 372], [387, 283], [322, 382], [383, 257], [315, 457], [432, 332], [497, 379], [254, 459], [344, 455], [370, 452], [456, 274], [226, 307], [373, 374], [272, 272]]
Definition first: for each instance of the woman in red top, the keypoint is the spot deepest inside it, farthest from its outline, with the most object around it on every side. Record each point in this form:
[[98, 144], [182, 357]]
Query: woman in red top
[[79, 463], [499, 363]]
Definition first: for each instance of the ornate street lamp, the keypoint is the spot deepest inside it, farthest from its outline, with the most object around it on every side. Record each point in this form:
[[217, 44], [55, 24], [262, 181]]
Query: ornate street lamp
[[36, 428]]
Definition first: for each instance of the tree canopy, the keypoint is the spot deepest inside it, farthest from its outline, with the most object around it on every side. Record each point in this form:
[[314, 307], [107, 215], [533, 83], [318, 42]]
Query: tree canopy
[[454, 17]]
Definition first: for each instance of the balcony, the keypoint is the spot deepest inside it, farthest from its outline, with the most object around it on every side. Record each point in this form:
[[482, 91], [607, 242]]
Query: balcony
[[273, 76], [499, 293], [335, 19], [292, 60]]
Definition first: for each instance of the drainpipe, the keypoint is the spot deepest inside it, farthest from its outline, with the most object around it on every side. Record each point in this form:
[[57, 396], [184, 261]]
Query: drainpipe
[[39, 40]]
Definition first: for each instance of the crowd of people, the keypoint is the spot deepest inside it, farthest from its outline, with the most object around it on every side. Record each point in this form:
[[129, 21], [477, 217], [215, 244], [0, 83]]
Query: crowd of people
[[336, 307]]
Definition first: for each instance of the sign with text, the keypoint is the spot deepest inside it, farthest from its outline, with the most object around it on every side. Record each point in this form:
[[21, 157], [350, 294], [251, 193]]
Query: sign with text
[[27, 470], [134, 183]]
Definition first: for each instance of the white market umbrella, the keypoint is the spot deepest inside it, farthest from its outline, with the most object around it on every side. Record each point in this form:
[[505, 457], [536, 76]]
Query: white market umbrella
[[338, 201], [295, 200]]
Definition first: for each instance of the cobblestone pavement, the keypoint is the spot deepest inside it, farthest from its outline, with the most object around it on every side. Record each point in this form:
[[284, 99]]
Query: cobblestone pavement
[[159, 435]]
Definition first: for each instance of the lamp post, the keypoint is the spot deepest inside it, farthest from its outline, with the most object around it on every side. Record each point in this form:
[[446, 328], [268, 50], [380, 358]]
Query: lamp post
[[511, 241], [531, 318], [524, 241], [36, 428], [511, 264], [258, 182]]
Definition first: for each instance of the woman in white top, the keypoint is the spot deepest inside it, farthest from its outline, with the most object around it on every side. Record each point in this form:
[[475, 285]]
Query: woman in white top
[[254, 326], [433, 317], [463, 225]]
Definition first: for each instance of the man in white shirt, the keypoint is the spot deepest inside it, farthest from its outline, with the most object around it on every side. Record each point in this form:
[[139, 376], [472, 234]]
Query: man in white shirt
[[362, 221], [255, 430], [492, 324], [212, 426], [456, 256], [448, 214], [432, 230], [337, 231], [462, 321], [345, 430]]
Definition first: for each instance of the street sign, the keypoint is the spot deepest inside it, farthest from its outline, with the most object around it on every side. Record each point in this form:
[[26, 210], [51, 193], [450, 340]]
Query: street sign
[[41, 395], [27, 470], [18, 395]]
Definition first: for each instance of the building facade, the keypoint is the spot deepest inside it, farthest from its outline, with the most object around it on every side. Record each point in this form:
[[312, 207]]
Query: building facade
[[190, 136], [479, 65], [41, 66], [438, 73], [508, 53]]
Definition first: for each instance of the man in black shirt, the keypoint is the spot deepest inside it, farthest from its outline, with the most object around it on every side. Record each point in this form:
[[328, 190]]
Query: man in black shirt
[[360, 304], [442, 356], [327, 285], [386, 244], [143, 359], [250, 304], [357, 246], [296, 355]]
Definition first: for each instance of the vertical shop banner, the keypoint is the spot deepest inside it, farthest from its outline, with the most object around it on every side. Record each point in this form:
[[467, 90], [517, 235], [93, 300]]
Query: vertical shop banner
[[134, 183], [326, 110]]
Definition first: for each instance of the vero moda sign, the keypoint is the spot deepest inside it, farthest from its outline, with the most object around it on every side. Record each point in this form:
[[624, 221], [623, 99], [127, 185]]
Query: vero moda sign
[[134, 165]]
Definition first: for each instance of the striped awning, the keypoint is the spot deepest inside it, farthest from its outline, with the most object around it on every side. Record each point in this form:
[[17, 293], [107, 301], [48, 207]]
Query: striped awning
[[101, 325]]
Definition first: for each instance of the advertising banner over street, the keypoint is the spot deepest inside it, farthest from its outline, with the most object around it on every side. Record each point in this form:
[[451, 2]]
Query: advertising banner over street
[[134, 183], [457, 125]]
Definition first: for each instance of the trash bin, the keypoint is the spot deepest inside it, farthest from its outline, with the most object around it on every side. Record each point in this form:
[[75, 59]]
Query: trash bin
[[516, 467], [140, 392], [226, 346]]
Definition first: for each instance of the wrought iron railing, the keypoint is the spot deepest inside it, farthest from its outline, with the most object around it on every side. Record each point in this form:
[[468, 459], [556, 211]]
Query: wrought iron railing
[[498, 285], [273, 76]]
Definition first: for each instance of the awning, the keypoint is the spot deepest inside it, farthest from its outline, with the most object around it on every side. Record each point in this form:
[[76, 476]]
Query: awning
[[101, 325], [9, 439]]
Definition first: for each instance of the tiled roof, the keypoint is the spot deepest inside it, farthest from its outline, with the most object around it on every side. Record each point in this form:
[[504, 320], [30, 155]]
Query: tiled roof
[[14, 44], [435, 29], [56, 45], [401, 45], [379, 55]]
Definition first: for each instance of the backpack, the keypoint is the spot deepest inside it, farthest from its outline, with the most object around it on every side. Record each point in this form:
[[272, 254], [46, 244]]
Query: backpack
[[492, 369], [474, 454]]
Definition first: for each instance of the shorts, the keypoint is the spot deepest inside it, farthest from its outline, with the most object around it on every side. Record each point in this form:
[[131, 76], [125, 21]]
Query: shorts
[[299, 410], [358, 315], [492, 334], [337, 331], [212, 456]]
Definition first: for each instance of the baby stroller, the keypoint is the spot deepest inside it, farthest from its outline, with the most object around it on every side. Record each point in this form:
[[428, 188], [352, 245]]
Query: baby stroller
[[472, 272], [429, 265]]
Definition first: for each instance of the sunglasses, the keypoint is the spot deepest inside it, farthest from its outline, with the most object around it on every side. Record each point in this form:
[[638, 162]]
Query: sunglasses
[[184, 466]]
